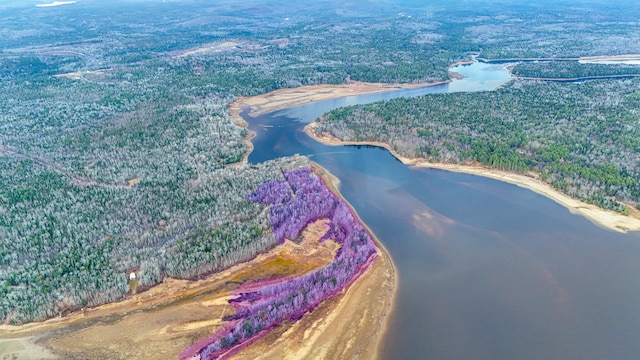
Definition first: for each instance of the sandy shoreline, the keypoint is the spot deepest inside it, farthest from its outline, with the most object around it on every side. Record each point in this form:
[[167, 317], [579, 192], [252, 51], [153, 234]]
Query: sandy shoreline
[[286, 98], [606, 219]]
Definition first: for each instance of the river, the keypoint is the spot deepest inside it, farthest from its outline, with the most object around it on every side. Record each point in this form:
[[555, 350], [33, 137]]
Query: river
[[487, 270]]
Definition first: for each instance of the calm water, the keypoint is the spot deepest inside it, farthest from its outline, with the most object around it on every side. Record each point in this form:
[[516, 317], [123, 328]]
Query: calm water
[[487, 270]]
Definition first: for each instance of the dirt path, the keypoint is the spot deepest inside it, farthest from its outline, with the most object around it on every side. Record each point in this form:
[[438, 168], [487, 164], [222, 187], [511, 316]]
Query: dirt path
[[76, 179]]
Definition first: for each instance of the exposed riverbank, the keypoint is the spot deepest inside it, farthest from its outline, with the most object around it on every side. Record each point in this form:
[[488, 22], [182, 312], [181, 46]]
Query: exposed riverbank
[[286, 98], [601, 217]]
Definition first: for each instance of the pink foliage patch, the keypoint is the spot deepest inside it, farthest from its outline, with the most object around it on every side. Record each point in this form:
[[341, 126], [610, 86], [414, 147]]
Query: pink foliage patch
[[262, 305]]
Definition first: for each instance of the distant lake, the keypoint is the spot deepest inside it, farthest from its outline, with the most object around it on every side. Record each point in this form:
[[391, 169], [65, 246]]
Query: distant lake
[[487, 270]]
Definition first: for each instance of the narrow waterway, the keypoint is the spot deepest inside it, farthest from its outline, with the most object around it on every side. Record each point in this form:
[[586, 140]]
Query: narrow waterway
[[487, 270]]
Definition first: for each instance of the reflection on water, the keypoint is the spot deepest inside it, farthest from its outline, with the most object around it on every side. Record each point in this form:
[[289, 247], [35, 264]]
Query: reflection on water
[[487, 270], [479, 76]]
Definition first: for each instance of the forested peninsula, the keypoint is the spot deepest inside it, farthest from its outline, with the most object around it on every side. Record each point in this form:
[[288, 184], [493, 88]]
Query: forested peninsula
[[582, 138]]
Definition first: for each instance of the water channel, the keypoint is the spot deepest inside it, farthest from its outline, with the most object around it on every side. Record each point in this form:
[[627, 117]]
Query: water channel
[[487, 270]]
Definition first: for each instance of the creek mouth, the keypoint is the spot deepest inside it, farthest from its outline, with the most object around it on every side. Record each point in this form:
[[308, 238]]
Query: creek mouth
[[487, 270]]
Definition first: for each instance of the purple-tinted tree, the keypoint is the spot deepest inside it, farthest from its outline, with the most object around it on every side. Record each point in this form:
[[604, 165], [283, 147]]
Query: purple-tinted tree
[[261, 305]]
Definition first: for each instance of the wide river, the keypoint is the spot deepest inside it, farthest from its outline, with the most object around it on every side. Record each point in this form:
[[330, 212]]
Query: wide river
[[487, 270]]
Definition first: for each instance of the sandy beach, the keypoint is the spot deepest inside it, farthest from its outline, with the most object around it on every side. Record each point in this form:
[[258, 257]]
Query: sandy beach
[[286, 98], [604, 218]]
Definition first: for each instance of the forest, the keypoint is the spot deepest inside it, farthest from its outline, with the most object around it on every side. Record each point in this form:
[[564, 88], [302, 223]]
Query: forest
[[117, 150], [573, 70], [582, 138]]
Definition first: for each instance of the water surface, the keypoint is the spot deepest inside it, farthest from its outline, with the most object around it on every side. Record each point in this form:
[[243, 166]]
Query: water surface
[[487, 270]]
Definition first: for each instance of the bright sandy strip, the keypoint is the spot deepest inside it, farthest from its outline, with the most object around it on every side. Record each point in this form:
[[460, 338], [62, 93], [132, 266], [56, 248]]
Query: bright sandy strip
[[286, 98], [56, 3], [607, 219], [613, 58], [225, 45]]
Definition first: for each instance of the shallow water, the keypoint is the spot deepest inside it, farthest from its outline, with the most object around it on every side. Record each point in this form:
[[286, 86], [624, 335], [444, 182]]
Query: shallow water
[[487, 270]]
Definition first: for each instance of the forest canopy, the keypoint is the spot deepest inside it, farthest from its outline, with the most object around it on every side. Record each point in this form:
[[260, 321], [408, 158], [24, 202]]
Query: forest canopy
[[117, 150]]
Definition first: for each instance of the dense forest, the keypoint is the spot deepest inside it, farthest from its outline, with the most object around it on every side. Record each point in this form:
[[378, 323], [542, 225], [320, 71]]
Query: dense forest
[[573, 70], [117, 150], [583, 138]]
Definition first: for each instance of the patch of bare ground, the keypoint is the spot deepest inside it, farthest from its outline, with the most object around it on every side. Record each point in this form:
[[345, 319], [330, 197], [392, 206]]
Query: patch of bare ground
[[227, 45], [80, 75]]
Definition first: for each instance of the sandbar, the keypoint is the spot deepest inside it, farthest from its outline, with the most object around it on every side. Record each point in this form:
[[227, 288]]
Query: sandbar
[[286, 98]]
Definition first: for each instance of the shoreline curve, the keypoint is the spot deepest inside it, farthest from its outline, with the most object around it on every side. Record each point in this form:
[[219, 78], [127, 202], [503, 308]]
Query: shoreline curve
[[601, 217]]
